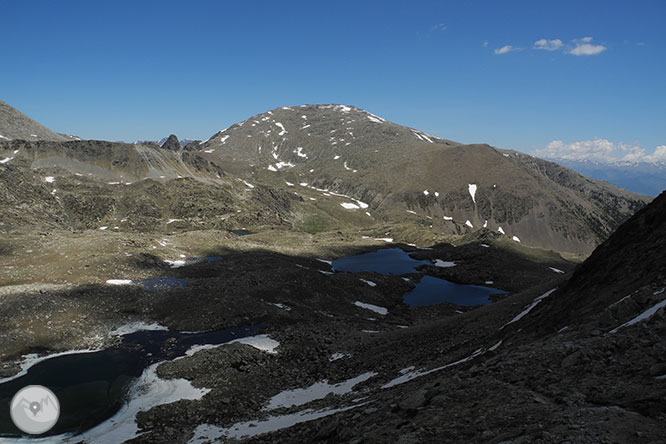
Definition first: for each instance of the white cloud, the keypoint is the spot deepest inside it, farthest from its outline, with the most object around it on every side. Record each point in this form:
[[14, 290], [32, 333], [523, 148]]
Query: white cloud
[[485, 44], [439, 27], [548, 45], [585, 47], [600, 150], [506, 49]]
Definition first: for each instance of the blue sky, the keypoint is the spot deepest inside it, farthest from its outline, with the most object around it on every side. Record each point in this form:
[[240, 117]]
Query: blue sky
[[139, 70]]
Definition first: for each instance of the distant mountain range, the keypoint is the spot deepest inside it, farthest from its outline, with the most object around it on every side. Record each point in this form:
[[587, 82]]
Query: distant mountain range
[[315, 168], [643, 178], [403, 174]]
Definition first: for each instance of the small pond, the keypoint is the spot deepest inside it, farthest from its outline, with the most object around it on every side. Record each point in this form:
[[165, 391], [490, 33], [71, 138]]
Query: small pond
[[431, 290], [387, 261], [93, 386], [428, 291]]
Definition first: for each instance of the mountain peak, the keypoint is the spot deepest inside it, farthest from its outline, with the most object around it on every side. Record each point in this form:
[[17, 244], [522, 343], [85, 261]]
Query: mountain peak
[[16, 125], [171, 143]]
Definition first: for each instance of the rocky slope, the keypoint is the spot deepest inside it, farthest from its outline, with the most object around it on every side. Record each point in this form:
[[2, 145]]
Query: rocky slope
[[491, 374], [403, 173], [16, 125]]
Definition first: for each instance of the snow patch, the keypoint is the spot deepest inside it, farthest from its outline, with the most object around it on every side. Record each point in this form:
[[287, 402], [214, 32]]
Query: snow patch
[[644, 316], [469, 224], [370, 283], [516, 238], [500, 230], [133, 327], [443, 264], [206, 433], [318, 390], [279, 125], [119, 281], [556, 270], [523, 313], [49, 179], [350, 206], [380, 310], [472, 191]]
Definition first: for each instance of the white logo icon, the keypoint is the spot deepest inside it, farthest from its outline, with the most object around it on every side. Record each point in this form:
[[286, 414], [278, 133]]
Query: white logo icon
[[35, 409]]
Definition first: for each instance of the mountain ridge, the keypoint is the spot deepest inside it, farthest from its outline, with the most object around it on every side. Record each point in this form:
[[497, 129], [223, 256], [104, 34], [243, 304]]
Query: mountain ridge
[[397, 169]]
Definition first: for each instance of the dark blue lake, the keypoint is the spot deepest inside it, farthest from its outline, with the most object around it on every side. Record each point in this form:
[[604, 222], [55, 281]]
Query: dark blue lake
[[431, 290], [387, 261], [92, 387]]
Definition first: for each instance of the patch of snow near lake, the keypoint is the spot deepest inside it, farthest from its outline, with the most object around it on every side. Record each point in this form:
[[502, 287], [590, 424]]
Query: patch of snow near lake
[[443, 264], [281, 165], [385, 239], [448, 218], [379, 310], [271, 168], [556, 270], [6, 159], [175, 264], [327, 273], [103, 228], [318, 390], [206, 433], [3, 137], [119, 281], [516, 238], [500, 230], [529, 308], [426, 192], [370, 331], [336, 356], [485, 224], [289, 184], [325, 261], [147, 392], [370, 283], [133, 327], [350, 206], [336, 157], [49, 179], [249, 185], [644, 316], [209, 151], [496, 346], [485, 245], [489, 282], [469, 224], [261, 342], [472, 191]]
